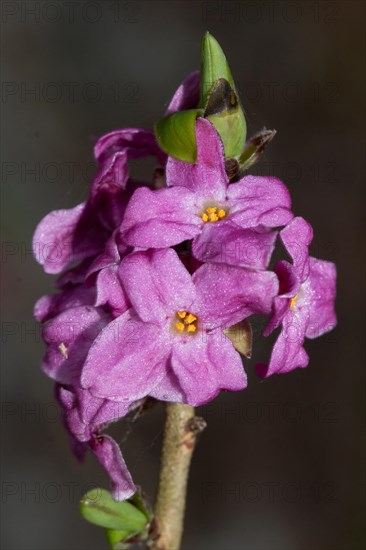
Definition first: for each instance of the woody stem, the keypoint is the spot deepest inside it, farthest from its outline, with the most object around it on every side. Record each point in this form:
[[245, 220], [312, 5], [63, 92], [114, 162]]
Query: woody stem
[[181, 429]]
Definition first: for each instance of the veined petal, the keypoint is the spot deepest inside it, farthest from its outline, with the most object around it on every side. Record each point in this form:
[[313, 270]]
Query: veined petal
[[225, 242], [127, 360], [258, 200], [207, 177], [157, 284], [319, 292], [228, 294], [160, 218], [206, 364]]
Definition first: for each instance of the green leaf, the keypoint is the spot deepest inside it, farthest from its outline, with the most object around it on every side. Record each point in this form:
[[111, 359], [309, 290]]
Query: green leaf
[[176, 134], [219, 98], [98, 507], [116, 537]]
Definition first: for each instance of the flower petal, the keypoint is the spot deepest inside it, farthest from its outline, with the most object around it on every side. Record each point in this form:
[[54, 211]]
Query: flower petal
[[135, 142], [127, 360], [160, 218], [288, 352], [228, 294], [225, 242], [52, 305], [157, 284], [289, 286], [169, 389], [320, 290], [296, 238], [68, 338], [110, 457], [207, 177], [187, 95], [258, 200], [206, 364], [64, 236]]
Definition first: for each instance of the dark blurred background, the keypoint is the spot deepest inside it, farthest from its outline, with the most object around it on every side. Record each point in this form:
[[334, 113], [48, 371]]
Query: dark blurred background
[[280, 466]]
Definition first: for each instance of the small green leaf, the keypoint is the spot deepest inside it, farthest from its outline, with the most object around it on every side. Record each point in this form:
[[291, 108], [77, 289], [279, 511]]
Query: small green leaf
[[176, 134], [98, 507]]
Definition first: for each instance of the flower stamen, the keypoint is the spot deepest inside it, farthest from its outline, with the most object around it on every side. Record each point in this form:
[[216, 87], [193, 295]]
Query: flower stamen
[[213, 214], [293, 301], [185, 322]]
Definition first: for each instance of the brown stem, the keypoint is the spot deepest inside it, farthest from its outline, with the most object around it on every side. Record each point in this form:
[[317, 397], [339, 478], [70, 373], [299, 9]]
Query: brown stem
[[181, 429]]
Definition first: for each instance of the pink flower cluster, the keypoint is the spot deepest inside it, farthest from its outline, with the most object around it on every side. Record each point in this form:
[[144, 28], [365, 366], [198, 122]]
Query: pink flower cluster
[[153, 275]]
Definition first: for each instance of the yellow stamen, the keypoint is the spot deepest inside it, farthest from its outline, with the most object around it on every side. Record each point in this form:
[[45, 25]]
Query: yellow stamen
[[185, 322], [190, 319], [213, 214], [293, 301]]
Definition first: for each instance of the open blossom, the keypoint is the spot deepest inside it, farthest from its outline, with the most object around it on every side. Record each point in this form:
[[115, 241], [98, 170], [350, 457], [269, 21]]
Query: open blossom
[[200, 204], [170, 344], [305, 303], [68, 336], [130, 319], [69, 235]]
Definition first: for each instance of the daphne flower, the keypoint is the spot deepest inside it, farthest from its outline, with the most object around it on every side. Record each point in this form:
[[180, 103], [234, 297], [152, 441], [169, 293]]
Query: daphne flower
[[201, 205], [69, 235], [305, 304], [170, 344], [68, 337]]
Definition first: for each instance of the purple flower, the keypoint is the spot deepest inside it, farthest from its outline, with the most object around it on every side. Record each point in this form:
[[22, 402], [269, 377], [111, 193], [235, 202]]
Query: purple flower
[[170, 344], [69, 235], [68, 337], [85, 417], [227, 223], [305, 304]]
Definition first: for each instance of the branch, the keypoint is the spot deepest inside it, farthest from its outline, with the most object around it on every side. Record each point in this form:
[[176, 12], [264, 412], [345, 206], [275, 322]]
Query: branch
[[181, 429]]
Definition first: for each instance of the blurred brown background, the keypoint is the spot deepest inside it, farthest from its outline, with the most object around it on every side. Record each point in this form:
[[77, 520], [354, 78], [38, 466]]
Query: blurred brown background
[[280, 466]]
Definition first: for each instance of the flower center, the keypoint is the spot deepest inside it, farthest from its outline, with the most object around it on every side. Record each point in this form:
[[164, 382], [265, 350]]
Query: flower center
[[213, 214], [186, 322], [293, 301]]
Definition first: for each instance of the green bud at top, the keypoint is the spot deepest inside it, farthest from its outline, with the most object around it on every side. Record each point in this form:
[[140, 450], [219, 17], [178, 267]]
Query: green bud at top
[[213, 67], [219, 98], [219, 103]]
